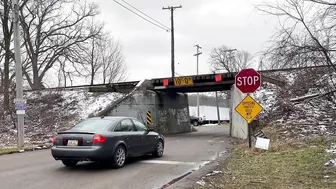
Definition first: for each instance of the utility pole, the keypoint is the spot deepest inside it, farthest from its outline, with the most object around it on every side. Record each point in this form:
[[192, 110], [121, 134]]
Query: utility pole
[[172, 8], [217, 104], [197, 56], [19, 101]]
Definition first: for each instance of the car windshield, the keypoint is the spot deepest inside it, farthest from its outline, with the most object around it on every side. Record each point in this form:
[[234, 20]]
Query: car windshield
[[93, 125]]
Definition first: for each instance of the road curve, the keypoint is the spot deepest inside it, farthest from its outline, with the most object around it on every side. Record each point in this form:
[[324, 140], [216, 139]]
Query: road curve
[[183, 153]]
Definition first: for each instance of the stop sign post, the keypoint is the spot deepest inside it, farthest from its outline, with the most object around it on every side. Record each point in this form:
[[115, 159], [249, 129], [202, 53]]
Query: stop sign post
[[248, 80]]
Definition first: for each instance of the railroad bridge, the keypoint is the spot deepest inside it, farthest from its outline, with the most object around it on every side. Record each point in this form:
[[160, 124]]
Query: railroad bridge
[[167, 101]]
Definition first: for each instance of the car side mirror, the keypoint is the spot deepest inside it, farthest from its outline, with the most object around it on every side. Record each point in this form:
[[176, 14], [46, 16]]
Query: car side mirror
[[149, 129]]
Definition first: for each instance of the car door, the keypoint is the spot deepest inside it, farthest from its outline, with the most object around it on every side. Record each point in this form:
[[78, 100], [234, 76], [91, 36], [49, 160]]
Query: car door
[[148, 139], [127, 133]]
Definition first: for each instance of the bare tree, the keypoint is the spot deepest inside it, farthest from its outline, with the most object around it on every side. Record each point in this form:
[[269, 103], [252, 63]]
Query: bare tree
[[306, 37], [51, 28], [1, 71], [223, 58], [91, 56], [101, 59], [64, 73], [113, 64], [7, 53]]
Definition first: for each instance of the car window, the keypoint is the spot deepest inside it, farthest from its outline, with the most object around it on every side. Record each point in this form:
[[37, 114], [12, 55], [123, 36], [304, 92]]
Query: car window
[[94, 125], [118, 128], [125, 126], [139, 126]]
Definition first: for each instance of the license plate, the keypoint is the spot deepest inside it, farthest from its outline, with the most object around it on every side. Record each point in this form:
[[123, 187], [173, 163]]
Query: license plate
[[72, 142], [182, 81]]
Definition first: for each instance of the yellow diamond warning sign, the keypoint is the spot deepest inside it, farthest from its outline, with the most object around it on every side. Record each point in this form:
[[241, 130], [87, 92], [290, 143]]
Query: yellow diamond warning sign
[[248, 108]]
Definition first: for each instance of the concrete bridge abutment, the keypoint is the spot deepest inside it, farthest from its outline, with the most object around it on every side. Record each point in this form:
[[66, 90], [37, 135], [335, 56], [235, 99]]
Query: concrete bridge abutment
[[170, 111], [238, 125]]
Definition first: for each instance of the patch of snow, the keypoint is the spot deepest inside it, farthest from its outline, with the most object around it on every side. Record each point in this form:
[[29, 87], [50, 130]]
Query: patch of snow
[[88, 103], [305, 97], [331, 162], [201, 182], [213, 173], [332, 149], [139, 84], [323, 128], [208, 125]]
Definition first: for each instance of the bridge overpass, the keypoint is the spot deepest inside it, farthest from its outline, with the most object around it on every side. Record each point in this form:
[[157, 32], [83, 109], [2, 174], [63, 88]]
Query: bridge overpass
[[194, 83], [125, 87], [167, 101]]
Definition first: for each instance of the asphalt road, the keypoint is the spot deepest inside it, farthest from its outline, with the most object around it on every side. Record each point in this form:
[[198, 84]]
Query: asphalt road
[[183, 153]]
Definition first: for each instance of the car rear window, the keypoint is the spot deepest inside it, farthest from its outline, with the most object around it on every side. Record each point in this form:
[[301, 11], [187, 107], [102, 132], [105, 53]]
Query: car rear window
[[93, 125]]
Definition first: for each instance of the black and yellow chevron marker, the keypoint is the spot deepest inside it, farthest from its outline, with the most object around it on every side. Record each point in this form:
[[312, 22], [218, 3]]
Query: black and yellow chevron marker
[[149, 118]]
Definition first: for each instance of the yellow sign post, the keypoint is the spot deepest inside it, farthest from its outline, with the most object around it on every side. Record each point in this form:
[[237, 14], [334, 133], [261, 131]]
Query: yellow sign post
[[248, 108]]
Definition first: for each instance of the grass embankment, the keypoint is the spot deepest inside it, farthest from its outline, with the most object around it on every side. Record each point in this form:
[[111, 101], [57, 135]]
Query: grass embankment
[[298, 164], [12, 150], [4, 151]]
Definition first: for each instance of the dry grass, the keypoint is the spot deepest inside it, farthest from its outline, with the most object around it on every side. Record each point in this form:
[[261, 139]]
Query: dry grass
[[298, 164], [4, 151]]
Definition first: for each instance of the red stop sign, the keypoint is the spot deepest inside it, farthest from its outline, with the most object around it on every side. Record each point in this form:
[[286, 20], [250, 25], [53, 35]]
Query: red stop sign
[[248, 80]]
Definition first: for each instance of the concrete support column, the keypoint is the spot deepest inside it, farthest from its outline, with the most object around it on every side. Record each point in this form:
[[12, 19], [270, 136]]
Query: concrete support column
[[238, 124]]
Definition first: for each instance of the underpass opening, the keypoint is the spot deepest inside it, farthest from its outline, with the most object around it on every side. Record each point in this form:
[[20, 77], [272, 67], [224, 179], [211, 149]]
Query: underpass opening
[[199, 86]]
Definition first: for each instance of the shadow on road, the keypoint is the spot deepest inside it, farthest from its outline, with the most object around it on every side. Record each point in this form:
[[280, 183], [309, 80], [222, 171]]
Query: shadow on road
[[95, 166]]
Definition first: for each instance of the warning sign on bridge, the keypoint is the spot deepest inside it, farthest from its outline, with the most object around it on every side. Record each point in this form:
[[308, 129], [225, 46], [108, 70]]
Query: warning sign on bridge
[[149, 117], [183, 81], [248, 108]]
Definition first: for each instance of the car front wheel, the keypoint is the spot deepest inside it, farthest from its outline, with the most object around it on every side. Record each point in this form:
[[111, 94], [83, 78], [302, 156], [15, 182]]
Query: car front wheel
[[69, 163], [159, 149], [195, 123]]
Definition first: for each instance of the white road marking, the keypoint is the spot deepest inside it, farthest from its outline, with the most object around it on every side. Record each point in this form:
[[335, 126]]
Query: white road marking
[[167, 162]]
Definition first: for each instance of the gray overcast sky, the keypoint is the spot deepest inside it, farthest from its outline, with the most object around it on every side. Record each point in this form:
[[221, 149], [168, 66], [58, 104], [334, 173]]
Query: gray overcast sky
[[209, 23]]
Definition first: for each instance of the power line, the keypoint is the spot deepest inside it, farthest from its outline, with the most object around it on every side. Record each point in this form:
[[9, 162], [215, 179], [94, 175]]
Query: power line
[[141, 16], [146, 14]]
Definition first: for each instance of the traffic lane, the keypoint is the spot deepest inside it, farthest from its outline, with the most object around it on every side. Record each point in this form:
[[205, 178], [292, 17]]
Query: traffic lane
[[138, 173], [94, 176], [24, 160], [205, 144], [183, 152]]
